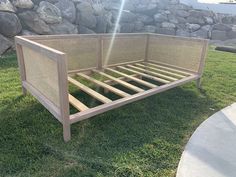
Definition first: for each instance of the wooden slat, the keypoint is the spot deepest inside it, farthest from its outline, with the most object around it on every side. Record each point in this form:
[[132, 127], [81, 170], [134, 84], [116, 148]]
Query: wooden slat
[[168, 69], [125, 84], [154, 73], [161, 71], [123, 101], [77, 104], [104, 85], [145, 75], [89, 91], [147, 84]]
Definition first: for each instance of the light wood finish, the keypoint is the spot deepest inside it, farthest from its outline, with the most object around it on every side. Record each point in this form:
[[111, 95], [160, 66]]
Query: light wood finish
[[89, 91], [115, 104], [167, 68], [173, 61], [21, 63], [166, 78], [147, 84], [144, 75], [77, 104], [123, 83], [161, 71], [104, 85]]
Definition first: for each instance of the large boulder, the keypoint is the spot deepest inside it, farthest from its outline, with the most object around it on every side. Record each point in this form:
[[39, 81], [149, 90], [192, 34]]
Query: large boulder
[[68, 10], [166, 30], [4, 44], [125, 17], [145, 19], [196, 20], [49, 12], [218, 35], [32, 21], [149, 29], [65, 27], [209, 20], [148, 9], [85, 15], [85, 30], [102, 24], [127, 27], [168, 25], [160, 17], [201, 33], [221, 27], [183, 33], [5, 5], [182, 13], [193, 27], [10, 24], [23, 4]]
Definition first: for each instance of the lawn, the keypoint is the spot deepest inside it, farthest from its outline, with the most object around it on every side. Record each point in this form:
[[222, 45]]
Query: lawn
[[142, 139]]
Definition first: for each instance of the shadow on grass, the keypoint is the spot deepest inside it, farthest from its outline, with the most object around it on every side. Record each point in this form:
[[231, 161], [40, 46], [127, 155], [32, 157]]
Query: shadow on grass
[[149, 133]]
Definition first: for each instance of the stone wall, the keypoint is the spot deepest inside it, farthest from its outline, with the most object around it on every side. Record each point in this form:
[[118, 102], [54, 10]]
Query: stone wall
[[27, 17]]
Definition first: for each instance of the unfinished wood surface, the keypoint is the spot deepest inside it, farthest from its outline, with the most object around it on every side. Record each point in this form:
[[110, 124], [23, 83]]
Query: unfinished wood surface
[[144, 75], [147, 84], [104, 85], [123, 83], [89, 91], [168, 68], [77, 104], [166, 78], [161, 71]]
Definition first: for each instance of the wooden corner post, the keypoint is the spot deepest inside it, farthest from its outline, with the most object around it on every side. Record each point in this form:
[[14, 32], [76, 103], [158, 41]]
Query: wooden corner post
[[21, 64], [202, 63], [64, 100]]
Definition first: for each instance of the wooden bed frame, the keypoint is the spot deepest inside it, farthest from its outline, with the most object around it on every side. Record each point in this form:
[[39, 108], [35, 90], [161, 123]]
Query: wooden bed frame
[[153, 62]]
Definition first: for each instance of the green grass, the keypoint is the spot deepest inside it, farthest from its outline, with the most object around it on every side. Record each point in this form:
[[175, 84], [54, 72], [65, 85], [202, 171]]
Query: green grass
[[145, 138]]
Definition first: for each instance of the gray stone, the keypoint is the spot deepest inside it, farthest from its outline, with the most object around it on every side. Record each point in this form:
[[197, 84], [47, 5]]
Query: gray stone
[[182, 33], [23, 4], [10, 24], [85, 30], [193, 27], [98, 9], [5, 5], [159, 18], [227, 20], [148, 9], [231, 34], [31, 20], [221, 27], [4, 44], [126, 16], [85, 15], [182, 13], [168, 25], [65, 27], [147, 20], [167, 31], [127, 27], [201, 33], [181, 20], [196, 20], [209, 20], [149, 29], [114, 28], [67, 9], [27, 33], [138, 26], [102, 24], [49, 12], [218, 35], [173, 19]]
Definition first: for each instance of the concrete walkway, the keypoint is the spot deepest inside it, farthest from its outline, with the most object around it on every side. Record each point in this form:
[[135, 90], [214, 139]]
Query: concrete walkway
[[211, 151]]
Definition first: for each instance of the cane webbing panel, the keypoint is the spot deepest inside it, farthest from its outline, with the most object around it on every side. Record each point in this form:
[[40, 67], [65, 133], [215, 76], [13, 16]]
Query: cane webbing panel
[[82, 53], [42, 74], [178, 52], [124, 49]]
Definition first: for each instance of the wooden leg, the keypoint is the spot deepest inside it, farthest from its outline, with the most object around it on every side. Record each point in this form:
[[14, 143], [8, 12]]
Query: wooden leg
[[66, 132], [198, 83]]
